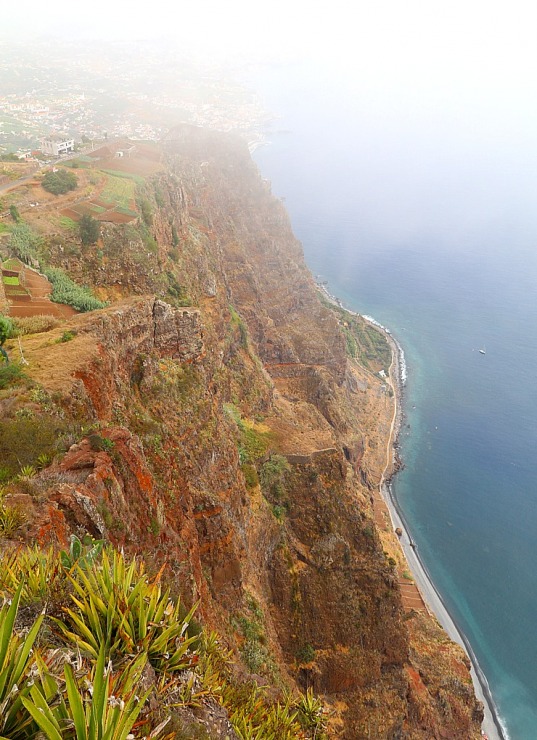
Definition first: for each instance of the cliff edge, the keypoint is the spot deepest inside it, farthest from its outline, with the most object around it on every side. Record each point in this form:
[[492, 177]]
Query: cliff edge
[[222, 419]]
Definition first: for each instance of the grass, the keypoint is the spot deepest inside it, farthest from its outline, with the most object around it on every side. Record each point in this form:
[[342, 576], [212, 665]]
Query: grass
[[11, 280], [138, 179], [68, 223], [119, 190], [3, 228]]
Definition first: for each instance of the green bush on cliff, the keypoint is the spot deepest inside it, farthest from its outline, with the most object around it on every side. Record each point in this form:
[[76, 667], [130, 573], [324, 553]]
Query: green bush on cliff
[[272, 477], [65, 290]]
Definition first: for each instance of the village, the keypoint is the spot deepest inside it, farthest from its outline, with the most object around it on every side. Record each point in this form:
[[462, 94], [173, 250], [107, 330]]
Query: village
[[62, 94]]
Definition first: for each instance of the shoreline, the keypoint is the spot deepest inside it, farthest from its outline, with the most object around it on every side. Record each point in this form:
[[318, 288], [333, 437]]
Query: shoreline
[[491, 725]]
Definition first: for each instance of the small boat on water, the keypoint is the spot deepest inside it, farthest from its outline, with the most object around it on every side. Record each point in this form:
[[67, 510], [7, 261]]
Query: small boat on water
[[482, 351]]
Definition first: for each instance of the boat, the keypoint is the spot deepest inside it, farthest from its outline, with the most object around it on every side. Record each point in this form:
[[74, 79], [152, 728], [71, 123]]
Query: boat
[[482, 351]]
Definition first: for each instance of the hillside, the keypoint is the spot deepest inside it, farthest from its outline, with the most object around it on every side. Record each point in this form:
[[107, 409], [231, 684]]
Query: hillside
[[221, 420]]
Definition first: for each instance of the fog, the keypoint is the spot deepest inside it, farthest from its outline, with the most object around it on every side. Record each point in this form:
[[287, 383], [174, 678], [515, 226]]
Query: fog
[[441, 97]]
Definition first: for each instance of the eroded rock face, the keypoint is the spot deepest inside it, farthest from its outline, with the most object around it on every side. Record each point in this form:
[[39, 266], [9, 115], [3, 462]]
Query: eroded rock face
[[167, 470]]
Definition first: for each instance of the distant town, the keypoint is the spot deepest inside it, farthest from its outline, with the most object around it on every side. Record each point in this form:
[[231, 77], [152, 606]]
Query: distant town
[[62, 97]]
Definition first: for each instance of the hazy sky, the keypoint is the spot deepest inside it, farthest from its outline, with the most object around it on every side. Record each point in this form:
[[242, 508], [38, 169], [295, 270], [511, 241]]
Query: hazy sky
[[427, 51], [402, 37]]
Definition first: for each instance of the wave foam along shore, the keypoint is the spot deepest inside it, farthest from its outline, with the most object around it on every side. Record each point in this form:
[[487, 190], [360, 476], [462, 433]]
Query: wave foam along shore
[[492, 725]]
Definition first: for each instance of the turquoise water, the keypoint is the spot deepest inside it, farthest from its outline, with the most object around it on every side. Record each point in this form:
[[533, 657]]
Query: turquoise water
[[437, 239]]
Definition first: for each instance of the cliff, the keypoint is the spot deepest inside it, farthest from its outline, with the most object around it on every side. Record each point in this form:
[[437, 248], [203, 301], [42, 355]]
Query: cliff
[[223, 420]]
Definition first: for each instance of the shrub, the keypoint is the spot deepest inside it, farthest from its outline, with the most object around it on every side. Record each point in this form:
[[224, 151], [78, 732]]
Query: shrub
[[306, 653], [11, 518], [10, 374], [38, 573], [14, 213], [67, 336], [6, 329], [34, 324], [272, 477], [99, 705], [59, 182], [23, 440], [250, 475]]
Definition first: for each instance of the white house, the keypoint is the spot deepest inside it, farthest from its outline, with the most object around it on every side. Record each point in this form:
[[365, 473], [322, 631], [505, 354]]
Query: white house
[[57, 145]]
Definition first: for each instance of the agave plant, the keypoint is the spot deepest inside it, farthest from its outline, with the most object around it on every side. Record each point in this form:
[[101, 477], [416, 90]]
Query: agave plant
[[101, 706], [11, 518], [311, 714], [38, 572], [116, 605], [15, 664]]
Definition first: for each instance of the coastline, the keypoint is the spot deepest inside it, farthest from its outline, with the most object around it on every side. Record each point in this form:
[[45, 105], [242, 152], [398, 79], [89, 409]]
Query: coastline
[[491, 726]]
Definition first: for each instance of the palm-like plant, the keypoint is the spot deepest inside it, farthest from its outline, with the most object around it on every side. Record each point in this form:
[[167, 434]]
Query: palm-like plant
[[101, 706], [116, 605], [15, 664]]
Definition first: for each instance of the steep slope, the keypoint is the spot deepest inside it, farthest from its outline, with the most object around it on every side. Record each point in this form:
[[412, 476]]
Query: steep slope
[[236, 440]]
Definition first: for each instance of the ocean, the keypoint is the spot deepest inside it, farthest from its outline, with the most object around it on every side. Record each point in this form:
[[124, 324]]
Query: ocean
[[430, 226]]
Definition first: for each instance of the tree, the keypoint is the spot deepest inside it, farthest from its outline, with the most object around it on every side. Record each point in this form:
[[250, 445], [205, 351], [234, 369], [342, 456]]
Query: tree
[[6, 327], [59, 182], [89, 229]]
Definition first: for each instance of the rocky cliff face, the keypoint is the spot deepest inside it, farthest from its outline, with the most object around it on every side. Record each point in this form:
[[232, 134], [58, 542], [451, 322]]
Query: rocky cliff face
[[238, 441]]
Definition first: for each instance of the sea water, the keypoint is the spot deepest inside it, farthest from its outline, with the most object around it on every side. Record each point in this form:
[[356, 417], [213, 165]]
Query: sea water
[[435, 235]]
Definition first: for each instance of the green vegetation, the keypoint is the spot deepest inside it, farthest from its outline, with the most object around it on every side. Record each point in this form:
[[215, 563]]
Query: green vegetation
[[119, 190], [253, 438], [33, 324], [67, 336], [90, 229], [138, 179], [254, 650], [68, 223], [65, 290], [24, 439], [10, 373], [24, 242], [306, 653], [59, 182], [131, 642], [364, 342], [176, 292], [6, 328], [272, 478], [14, 213], [147, 212], [236, 321], [11, 519]]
